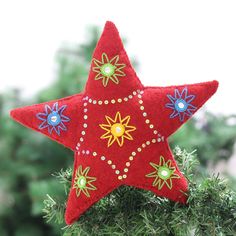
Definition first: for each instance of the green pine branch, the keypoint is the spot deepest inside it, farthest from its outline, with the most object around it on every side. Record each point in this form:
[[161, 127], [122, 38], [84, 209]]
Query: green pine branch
[[211, 208]]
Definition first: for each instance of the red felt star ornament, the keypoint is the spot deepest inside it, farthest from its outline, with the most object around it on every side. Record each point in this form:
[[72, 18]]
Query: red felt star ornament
[[117, 128]]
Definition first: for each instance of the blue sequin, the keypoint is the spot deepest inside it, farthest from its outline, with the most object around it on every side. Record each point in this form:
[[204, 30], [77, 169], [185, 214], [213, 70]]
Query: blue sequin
[[181, 104], [53, 118]]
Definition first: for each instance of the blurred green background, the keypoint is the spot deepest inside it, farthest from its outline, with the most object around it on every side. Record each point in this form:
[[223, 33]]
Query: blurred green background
[[28, 159]]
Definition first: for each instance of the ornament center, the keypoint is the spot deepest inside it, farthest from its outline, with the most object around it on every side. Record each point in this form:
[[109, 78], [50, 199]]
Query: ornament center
[[181, 105], [107, 69], [164, 173], [117, 130], [53, 118]]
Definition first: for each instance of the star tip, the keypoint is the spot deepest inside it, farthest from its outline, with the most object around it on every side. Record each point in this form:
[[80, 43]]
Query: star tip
[[110, 26], [14, 113], [109, 23], [215, 85]]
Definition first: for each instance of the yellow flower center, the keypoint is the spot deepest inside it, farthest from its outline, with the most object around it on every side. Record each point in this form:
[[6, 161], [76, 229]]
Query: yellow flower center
[[117, 130]]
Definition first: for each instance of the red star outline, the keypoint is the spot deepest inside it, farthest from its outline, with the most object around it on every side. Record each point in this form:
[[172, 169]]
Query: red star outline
[[152, 111]]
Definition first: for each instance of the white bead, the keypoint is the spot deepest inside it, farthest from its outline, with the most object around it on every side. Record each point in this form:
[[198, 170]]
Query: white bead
[[113, 101], [94, 154], [125, 99], [81, 139], [83, 132], [94, 102], [127, 164], [113, 166], [90, 100], [155, 132], [85, 117], [103, 158], [117, 172], [144, 114], [100, 102], [130, 96], [85, 125], [119, 100], [134, 92]]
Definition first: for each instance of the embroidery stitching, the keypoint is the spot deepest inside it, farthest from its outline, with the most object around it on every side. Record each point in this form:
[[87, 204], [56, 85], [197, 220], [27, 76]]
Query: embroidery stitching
[[108, 69], [181, 104], [83, 182], [53, 118], [117, 129], [163, 174]]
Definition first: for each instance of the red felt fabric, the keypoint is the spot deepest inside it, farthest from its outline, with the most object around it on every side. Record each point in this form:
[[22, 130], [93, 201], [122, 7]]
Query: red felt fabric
[[148, 109]]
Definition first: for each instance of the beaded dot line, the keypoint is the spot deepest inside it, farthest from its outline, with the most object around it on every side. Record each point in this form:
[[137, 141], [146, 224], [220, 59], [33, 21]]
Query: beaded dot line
[[124, 173], [145, 115], [120, 175], [85, 126], [113, 101]]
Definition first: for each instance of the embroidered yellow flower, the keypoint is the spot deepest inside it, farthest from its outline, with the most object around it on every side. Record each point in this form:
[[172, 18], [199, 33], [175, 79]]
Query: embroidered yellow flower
[[82, 182], [163, 174], [108, 69], [117, 130]]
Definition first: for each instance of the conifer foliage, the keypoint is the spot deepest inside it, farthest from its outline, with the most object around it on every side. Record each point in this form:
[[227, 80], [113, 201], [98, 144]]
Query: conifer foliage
[[211, 208]]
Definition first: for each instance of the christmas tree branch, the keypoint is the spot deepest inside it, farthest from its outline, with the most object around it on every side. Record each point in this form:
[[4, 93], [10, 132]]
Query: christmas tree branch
[[211, 208]]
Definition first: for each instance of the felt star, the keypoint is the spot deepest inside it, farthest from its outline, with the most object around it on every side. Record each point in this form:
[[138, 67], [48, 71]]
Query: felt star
[[117, 128]]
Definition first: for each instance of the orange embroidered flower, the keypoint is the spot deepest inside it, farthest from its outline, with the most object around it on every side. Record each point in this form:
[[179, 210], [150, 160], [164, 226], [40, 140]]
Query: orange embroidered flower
[[108, 69], [82, 182], [117, 129], [163, 174]]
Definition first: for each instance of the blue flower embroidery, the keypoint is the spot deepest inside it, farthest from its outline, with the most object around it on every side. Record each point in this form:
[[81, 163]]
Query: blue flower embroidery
[[53, 119], [181, 104]]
